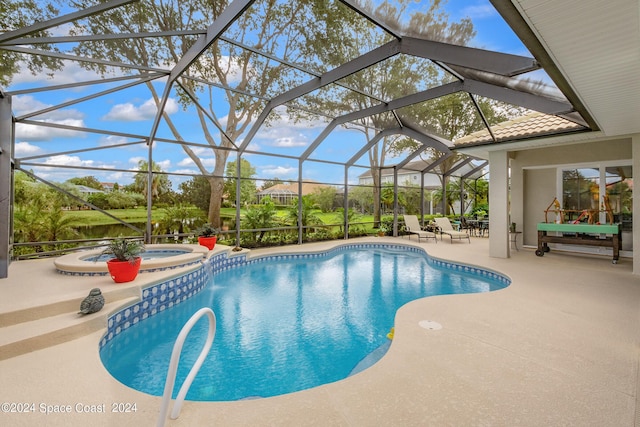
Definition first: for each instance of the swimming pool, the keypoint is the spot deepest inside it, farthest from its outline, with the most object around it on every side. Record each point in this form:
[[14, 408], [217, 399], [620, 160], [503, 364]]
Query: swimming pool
[[287, 324]]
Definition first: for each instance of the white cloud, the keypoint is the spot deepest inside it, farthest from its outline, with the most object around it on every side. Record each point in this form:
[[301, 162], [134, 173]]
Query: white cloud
[[278, 171], [136, 160], [109, 140], [128, 112], [186, 162], [288, 142], [164, 164], [27, 104], [479, 11], [43, 133], [25, 149], [284, 132], [65, 160], [253, 147], [233, 73], [61, 175], [209, 162], [201, 151], [282, 136], [71, 73]]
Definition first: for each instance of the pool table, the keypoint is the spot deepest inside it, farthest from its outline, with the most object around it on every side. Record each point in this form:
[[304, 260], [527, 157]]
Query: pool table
[[607, 235]]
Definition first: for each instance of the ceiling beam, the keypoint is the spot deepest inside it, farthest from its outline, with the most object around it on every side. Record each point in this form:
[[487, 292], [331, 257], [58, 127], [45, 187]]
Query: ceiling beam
[[515, 97], [457, 166], [521, 28], [476, 169], [382, 108], [368, 59], [45, 25], [503, 64], [214, 31]]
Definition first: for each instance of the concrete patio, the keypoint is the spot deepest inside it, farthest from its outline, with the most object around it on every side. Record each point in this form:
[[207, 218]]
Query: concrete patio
[[558, 347]]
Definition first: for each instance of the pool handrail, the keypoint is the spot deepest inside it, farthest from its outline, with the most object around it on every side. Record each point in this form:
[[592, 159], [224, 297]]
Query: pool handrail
[[173, 365]]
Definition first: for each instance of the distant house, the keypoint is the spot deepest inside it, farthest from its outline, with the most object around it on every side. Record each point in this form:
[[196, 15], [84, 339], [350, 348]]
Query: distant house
[[284, 194], [87, 191], [409, 175], [108, 186]]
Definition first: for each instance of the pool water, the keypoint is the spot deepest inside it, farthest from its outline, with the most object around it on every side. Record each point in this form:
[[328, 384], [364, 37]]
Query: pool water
[[285, 326]]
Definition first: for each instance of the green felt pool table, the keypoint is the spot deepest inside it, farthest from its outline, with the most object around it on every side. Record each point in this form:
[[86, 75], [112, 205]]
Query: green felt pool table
[[607, 235]]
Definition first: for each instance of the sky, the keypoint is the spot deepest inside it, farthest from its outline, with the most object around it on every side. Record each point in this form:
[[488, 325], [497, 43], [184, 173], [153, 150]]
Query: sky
[[131, 112]]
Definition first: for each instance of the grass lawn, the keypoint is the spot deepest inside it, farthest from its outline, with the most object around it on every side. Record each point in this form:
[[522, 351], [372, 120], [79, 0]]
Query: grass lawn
[[91, 217]]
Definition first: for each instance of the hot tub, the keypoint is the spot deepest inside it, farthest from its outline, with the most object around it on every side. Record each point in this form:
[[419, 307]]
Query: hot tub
[[156, 258]]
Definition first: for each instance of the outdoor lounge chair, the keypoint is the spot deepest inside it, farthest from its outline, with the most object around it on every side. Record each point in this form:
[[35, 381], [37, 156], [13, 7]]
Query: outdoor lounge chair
[[445, 227], [413, 227]]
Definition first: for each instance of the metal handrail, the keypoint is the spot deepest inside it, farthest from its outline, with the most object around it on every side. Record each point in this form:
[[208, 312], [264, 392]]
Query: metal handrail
[[173, 365]]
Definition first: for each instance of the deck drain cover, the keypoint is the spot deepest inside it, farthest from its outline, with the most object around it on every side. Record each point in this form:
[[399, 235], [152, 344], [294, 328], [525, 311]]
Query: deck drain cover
[[430, 324]]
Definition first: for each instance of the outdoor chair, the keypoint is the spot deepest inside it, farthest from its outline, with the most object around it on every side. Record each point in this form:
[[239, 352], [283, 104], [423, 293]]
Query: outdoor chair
[[446, 228], [413, 227], [467, 225], [483, 227]]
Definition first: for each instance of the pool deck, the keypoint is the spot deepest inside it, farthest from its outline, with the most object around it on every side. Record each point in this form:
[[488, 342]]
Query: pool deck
[[559, 347]]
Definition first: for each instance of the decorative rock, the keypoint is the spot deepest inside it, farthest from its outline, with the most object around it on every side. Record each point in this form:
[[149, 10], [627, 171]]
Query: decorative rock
[[92, 303]]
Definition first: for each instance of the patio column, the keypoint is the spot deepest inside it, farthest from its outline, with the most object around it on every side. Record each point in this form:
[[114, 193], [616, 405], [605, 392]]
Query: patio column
[[516, 196], [635, 153], [6, 181], [499, 204]]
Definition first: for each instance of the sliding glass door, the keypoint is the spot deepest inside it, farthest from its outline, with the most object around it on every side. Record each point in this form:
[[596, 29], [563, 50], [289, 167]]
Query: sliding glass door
[[599, 193]]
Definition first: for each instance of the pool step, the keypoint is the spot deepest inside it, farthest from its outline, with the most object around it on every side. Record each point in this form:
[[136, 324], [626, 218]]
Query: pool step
[[70, 304], [25, 337]]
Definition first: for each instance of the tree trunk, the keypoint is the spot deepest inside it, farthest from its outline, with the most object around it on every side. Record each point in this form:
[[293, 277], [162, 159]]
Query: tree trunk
[[376, 203], [215, 202]]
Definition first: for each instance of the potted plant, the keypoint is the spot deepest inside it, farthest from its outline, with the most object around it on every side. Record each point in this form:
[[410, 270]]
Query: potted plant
[[125, 264], [383, 230], [480, 214], [207, 236]]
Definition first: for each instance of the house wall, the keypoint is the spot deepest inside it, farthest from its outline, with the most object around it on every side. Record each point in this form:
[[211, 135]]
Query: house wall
[[574, 153], [538, 172], [539, 187]]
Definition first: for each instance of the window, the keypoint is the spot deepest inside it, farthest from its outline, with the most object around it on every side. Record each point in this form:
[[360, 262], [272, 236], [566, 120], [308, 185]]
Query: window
[[580, 191], [582, 188], [619, 184]]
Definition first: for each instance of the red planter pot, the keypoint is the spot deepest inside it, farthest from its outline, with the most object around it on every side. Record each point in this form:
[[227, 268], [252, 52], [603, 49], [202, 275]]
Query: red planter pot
[[123, 271], [209, 242]]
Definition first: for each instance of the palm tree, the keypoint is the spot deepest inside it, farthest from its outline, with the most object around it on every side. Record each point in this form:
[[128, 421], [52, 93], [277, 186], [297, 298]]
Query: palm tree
[[308, 216], [180, 217], [261, 216], [453, 194], [159, 183], [57, 226]]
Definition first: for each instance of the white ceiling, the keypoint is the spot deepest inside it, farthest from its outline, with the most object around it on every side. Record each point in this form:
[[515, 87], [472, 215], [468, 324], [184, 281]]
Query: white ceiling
[[595, 45]]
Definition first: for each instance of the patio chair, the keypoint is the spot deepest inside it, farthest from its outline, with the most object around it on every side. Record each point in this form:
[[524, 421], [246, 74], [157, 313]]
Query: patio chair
[[470, 226], [445, 227], [413, 227]]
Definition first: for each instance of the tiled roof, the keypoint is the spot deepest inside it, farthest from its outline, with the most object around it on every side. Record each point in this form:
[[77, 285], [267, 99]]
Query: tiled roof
[[530, 125]]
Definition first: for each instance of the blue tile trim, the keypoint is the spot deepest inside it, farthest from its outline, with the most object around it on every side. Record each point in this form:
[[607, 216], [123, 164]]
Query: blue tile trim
[[106, 273], [166, 294], [155, 299]]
